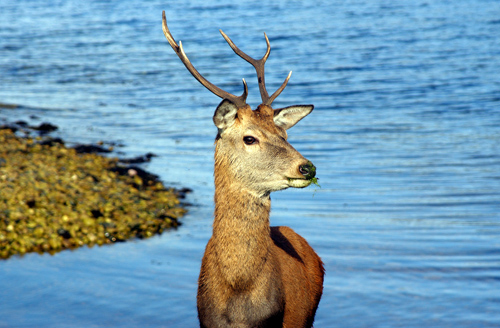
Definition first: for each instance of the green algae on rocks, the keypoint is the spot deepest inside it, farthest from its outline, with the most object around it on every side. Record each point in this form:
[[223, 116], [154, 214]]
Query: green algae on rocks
[[53, 198]]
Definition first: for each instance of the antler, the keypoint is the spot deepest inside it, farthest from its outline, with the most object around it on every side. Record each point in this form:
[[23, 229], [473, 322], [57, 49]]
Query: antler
[[239, 101], [259, 68]]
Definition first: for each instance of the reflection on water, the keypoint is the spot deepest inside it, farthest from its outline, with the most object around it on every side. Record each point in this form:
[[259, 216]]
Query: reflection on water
[[404, 135]]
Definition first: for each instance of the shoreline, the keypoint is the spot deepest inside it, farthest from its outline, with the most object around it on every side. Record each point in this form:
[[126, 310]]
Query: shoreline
[[55, 197]]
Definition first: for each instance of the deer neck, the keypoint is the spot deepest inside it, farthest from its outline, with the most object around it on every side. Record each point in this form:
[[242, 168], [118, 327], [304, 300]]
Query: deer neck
[[241, 229]]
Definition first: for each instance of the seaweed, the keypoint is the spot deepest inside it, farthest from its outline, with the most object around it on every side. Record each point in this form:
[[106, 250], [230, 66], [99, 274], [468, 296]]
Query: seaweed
[[53, 198]]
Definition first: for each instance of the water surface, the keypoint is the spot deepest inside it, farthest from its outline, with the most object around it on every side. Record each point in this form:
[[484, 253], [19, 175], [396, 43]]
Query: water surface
[[405, 136]]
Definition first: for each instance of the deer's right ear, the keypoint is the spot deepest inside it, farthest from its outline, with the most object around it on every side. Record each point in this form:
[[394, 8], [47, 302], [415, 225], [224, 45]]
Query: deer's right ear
[[289, 116], [225, 114]]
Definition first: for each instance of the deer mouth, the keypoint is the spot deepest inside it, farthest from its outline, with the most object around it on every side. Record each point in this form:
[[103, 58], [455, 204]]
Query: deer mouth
[[298, 182]]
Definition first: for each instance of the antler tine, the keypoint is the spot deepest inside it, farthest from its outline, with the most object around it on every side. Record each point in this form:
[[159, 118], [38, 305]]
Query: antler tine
[[277, 92], [259, 68], [239, 101]]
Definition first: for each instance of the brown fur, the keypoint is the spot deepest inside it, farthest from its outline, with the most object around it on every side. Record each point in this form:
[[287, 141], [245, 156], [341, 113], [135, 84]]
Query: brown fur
[[254, 275]]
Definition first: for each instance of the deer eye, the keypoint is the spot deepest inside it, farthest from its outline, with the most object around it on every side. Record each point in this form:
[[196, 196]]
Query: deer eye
[[249, 140]]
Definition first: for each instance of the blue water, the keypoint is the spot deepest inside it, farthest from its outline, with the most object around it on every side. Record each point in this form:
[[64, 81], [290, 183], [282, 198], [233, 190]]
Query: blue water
[[405, 137]]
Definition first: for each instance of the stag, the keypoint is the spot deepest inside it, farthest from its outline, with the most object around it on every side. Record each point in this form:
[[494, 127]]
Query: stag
[[252, 274]]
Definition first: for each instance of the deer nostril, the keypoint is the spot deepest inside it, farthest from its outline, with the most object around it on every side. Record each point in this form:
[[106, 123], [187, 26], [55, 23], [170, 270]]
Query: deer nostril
[[304, 169], [308, 170]]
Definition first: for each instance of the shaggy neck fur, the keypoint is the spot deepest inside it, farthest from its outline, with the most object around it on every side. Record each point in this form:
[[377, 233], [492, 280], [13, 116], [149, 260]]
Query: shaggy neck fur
[[241, 230]]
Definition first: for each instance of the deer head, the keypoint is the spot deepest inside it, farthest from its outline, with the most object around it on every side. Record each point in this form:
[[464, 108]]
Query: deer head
[[252, 151]]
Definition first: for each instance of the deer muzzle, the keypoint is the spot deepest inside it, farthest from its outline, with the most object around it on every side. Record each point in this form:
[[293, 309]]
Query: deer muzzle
[[308, 170]]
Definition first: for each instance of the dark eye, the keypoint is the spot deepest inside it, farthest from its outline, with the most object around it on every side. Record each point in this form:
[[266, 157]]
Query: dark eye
[[248, 140]]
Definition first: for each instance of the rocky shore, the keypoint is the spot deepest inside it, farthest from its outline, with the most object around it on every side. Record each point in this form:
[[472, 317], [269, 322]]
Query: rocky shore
[[54, 197]]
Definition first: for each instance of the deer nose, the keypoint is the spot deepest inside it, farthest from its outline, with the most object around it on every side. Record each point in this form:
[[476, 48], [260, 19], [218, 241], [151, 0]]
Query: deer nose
[[308, 170]]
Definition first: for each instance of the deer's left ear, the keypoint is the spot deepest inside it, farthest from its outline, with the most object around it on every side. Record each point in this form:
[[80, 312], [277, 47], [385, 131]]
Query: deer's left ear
[[289, 116], [225, 114]]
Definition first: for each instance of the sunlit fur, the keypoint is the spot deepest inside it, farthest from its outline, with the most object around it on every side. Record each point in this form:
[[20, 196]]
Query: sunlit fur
[[254, 275], [268, 166]]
